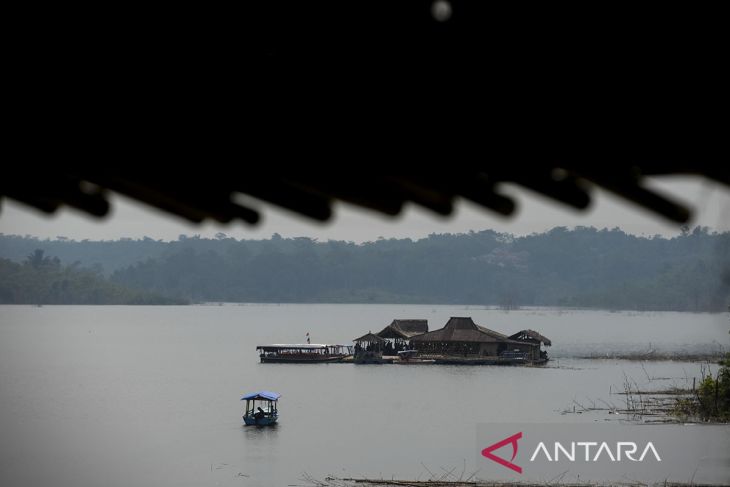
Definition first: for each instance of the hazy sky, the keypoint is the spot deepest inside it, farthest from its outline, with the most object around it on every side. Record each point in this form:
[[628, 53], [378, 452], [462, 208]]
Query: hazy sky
[[710, 201]]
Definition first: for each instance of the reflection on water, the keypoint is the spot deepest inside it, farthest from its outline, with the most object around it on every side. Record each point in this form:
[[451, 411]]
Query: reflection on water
[[151, 395], [268, 433]]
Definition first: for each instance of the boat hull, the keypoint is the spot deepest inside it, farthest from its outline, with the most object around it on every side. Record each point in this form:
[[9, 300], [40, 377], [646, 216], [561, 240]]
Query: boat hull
[[266, 421]]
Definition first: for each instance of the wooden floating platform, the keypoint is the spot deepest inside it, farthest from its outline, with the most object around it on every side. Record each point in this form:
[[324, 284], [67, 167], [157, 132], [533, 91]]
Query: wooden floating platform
[[446, 360]]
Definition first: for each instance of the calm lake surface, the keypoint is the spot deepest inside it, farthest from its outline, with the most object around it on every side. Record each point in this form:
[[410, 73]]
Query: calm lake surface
[[107, 395]]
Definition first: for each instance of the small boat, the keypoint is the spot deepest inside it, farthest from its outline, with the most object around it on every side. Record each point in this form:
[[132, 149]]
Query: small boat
[[303, 353], [258, 416]]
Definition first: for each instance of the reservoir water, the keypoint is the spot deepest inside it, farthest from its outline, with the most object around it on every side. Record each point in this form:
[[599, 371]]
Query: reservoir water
[[123, 395]]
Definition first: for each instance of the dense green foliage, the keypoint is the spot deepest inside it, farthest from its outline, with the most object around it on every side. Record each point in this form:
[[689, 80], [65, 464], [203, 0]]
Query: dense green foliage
[[711, 400], [714, 394], [103, 256], [43, 280], [583, 267]]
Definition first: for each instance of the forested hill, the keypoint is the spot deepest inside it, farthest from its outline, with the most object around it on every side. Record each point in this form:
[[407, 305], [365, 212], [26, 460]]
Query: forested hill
[[44, 280], [583, 267], [102, 256]]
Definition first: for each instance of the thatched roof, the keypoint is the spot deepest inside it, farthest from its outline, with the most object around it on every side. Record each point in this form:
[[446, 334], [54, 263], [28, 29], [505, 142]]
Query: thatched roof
[[369, 338], [462, 329], [527, 335], [405, 329]]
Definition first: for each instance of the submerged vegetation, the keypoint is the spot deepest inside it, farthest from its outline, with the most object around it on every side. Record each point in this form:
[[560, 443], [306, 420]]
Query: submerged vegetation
[[44, 280], [710, 401], [582, 267], [706, 400]]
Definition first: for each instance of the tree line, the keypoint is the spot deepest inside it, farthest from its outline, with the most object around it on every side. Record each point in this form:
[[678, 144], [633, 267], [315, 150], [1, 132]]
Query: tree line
[[44, 280], [581, 267]]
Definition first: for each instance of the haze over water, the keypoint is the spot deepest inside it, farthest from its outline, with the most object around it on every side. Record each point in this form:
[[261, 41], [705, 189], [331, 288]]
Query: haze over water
[[106, 395]]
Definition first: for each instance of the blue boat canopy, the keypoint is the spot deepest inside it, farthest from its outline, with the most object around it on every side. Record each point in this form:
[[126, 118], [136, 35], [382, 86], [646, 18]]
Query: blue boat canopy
[[271, 396]]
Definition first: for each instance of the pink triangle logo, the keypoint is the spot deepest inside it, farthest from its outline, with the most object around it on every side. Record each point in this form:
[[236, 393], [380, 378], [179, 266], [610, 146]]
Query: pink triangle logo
[[487, 452]]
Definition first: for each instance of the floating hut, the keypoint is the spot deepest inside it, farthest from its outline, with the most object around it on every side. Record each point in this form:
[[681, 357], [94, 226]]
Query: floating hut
[[535, 339], [404, 329], [369, 350], [462, 341], [383, 347], [399, 333]]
